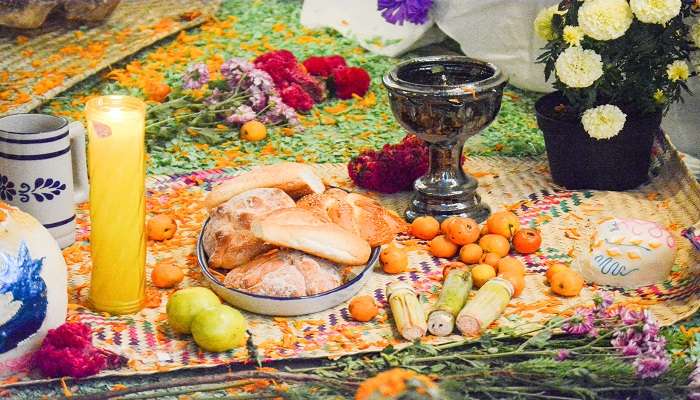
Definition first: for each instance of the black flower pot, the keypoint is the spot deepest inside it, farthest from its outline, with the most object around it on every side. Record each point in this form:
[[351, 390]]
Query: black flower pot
[[578, 161]]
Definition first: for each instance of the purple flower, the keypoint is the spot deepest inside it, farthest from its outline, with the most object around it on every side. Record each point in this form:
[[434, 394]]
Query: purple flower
[[280, 112], [580, 323], [398, 11], [258, 99], [562, 355], [196, 76], [694, 384], [236, 69], [602, 301], [651, 367], [242, 115], [263, 80]]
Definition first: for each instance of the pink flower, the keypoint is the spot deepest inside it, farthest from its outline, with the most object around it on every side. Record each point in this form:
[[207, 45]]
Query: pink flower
[[562, 355], [580, 323], [651, 367]]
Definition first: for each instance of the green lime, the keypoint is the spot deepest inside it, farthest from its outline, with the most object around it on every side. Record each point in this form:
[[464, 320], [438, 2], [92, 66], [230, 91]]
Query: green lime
[[184, 304], [219, 328]]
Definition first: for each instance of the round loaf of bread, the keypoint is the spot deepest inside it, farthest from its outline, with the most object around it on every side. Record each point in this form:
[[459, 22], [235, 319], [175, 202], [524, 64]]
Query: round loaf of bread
[[227, 238], [300, 229]]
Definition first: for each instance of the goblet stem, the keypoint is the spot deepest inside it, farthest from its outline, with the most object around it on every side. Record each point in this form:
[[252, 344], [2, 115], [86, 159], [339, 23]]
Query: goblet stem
[[445, 171]]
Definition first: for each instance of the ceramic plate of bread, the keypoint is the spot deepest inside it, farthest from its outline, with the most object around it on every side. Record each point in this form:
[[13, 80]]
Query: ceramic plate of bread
[[277, 242]]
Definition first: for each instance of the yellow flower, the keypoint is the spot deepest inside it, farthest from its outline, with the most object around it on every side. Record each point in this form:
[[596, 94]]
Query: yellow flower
[[603, 122], [579, 68], [573, 35], [678, 71], [655, 11], [660, 96], [605, 19], [543, 23]]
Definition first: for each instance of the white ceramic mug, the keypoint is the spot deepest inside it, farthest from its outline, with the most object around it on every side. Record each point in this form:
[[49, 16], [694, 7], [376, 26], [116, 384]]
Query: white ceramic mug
[[43, 170]]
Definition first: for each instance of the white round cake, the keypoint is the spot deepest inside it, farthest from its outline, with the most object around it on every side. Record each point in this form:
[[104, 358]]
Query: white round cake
[[629, 253], [33, 297]]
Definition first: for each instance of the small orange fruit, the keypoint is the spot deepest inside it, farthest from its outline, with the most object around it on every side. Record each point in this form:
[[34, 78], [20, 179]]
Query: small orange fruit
[[253, 131], [363, 308], [481, 274], [440, 246], [166, 275], [527, 241], [445, 223], [510, 264], [484, 230], [425, 228], [394, 260], [471, 253], [567, 283], [161, 227], [554, 268], [491, 259], [503, 223], [516, 279], [462, 231], [492, 243]]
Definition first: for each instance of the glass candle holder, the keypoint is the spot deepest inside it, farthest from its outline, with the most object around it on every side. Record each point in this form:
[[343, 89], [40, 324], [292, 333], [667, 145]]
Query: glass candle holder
[[117, 170]]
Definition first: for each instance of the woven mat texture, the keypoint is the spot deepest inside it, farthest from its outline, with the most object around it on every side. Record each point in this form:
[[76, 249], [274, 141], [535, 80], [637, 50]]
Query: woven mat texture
[[39, 64], [566, 218]]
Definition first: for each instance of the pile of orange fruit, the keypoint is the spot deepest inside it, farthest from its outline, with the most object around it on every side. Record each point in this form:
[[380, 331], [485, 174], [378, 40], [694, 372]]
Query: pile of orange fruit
[[484, 248]]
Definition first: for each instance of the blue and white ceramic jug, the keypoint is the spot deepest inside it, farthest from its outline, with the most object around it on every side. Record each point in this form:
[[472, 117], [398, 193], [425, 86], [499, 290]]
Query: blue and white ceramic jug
[[43, 170]]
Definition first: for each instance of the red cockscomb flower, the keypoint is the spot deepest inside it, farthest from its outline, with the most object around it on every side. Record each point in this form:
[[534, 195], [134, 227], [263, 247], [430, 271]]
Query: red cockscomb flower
[[278, 65], [315, 88], [392, 169], [324, 66], [295, 97], [68, 351], [349, 80]]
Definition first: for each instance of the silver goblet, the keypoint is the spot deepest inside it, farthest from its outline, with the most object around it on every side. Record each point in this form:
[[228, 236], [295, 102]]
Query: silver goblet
[[444, 100]]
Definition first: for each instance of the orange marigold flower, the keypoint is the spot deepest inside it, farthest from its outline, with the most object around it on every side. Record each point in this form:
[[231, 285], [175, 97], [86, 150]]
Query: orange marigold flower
[[394, 383]]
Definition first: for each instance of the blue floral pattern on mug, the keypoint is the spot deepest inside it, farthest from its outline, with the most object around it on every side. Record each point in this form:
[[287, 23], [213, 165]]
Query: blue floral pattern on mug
[[7, 189], [44, 189]]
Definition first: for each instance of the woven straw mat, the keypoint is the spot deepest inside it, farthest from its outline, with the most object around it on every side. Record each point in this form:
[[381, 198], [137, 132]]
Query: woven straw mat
[[39, 64], [522, 185]]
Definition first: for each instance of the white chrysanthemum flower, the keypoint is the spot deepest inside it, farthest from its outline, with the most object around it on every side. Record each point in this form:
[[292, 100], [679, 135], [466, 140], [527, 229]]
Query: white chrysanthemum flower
[[543, 23], [573, 35], [605, 19], [695, 34], [579, 68], [655, 11], [678, 71], [603, 122]]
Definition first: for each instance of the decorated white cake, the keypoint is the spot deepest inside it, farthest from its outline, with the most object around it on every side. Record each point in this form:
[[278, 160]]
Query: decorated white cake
[[33, 296], [629, 253]]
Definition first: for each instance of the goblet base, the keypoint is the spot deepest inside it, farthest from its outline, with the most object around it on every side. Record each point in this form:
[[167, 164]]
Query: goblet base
[[467, 205]]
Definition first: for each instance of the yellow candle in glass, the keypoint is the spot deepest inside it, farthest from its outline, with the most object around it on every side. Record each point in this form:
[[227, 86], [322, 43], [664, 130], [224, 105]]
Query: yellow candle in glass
[[117, 170]]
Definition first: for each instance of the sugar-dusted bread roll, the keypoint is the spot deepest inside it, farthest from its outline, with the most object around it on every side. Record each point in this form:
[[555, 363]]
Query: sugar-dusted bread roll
[[300, 229], [227, 237], [357, 213], [285, 273], [295, 179]]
